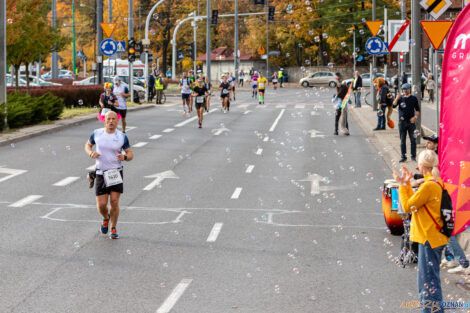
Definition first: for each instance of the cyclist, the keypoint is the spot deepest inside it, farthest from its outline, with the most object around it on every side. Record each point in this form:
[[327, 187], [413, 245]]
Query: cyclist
[[254, 85], [208, 86], [185, 84], [200, 94], [225, 93], [262, 82]]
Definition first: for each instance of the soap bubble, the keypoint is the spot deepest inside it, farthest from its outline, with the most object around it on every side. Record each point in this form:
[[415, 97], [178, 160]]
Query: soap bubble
[[394, 63], [361, 31], [317, 38], [91, 262], [80, 102], [309, 9], [325, 35], [297, 26], [343, 44], [76, 244], [325, 53]]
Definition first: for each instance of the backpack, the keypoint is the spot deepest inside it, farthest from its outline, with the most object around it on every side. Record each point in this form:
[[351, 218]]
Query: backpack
[[387, 95], [447, 214]]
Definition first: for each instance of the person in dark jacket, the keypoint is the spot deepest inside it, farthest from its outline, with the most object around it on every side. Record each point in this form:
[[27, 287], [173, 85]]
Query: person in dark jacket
[[382, 102], [357, 88], [151, 86], [341, 93]]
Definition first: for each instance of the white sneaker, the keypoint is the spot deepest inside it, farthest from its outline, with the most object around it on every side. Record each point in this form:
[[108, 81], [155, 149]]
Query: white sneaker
[[459, 270], [449, 264]]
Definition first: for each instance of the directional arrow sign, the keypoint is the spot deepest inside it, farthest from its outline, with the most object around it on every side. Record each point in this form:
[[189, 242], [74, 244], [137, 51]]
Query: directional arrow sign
[[315, 180], [436, 31], [159, 177], [219, 131], [316, 134], [10, 172]]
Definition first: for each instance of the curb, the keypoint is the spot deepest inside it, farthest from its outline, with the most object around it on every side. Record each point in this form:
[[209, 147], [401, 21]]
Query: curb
[[62, 124]]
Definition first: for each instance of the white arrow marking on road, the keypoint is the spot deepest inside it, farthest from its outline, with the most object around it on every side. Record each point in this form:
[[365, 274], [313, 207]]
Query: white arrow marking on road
[[155, 137], [140, 144], [215, 232], [315, 180], [277, 120], [300, 106], [66, 181], [168, 130], [219, 131], [266, 139], [246, 112], [11, 172], [159, 177], [174, 296], [249, 169], [236, 193], [316, 134], [25, 201], [259, 151]]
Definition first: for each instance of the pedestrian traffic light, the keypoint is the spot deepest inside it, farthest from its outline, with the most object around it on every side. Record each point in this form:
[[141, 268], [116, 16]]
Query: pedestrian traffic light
[[271, 13], [215, 15], [131, 50], [190, 50], [262, 2]]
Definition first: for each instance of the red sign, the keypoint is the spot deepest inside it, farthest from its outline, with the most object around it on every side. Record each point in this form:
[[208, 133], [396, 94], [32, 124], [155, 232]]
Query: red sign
[[398, 35], [454, 129]]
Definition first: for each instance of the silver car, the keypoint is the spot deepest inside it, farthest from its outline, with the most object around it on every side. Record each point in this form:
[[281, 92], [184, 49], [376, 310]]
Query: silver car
[[319, 79], [365, 79]]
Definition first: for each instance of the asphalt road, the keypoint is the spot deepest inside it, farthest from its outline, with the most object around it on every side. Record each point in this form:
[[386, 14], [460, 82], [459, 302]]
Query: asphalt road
[[261, 210]]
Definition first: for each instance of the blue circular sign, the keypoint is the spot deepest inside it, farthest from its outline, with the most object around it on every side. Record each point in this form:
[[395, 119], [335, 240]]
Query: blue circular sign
[[108, 47], [375, 45]]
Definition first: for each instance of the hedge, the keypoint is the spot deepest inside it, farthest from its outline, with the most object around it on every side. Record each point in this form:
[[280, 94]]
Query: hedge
[[71, 95], [23, 110]]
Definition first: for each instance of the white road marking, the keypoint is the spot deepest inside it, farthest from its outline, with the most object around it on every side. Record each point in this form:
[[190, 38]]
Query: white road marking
[[189, 120], [266, 139], [300, 106], [139, 144], [259, 151], [11, 172], [215, 232], [168, 130], [129, 128], [174, 296], [91, 168], [213, 110], [159, 178], [219, 131], [280, 106], [25, 201], [277, 120], [246, 112], [66, 181], [236, 193], [249, 169], [155, 137]]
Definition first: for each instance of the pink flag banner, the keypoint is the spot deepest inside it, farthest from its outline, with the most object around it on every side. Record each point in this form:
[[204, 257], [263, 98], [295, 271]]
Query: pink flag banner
[[454, 125]]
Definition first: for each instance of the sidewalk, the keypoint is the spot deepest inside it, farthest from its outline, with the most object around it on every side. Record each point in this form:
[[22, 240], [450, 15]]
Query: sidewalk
[[387, 143], [37, 130]]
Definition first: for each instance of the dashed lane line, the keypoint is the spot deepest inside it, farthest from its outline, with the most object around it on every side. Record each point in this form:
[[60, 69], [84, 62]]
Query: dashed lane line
[[155, 137], [140, 144], [174, 296], [66, 181], [215, 232], [25, 201], [273, 127], [259, 151], [249, 169], [236, 193]]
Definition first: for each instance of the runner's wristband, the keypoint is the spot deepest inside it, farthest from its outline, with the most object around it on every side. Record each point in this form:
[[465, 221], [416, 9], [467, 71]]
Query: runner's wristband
[[125, 158]]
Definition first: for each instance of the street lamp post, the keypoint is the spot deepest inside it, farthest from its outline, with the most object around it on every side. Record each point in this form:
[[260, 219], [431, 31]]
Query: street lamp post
[[3, 59], [73, 35]]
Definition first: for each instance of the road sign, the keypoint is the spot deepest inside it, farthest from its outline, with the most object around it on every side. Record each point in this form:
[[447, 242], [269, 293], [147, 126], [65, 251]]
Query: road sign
[[261, 50], [436, 31], [108, 28], [121, 47], [108, 47], [80, 54], [436, 7], [375, 45], [374, 26], [398, 36], [274, 52]]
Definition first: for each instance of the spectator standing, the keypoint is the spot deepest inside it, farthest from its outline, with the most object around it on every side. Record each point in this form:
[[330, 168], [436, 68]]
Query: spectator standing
[[424, 205], [159, 86], [280, 74], [357, 87], [151, 86], [404, 78], [241, 78], [168, 73], [408, 112], [382, 102], [430, 86], [341, 93]]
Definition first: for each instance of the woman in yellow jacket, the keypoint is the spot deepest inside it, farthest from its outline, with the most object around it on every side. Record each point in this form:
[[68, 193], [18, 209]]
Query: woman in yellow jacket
[[423, 203]]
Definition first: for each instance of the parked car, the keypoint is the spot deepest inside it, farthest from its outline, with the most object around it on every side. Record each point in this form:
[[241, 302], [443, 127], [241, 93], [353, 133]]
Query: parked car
[[365, 79], [107, 79], [62, 74], [21, 82], [318, 79], [39, 82]]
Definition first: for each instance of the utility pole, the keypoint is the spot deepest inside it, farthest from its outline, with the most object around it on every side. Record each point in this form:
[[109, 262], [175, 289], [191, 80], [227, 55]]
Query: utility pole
[[74, 52], [194, 40], [235, 58], [130, 34], [354, 49], [54, 56], [267, 40], [374, 69], [416, 58], [99, 39], [110, 12], [385, 40], [208, 40], [3, 58]]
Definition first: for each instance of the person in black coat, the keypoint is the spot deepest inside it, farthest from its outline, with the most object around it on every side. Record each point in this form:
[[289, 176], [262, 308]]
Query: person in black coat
[[357, 89]]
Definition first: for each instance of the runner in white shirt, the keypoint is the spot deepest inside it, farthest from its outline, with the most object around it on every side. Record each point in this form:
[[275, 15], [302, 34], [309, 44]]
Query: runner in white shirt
[[185, 84], [110, 143], [122, 93]]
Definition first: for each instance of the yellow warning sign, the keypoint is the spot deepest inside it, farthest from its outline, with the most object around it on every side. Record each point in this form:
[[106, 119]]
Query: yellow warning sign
[[261, 50], [374, 26], [108, 28], [436, 31]]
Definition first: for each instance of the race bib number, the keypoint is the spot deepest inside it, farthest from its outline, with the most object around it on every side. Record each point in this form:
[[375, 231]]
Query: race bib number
[[261, 85], [274, 80], [112, 177], [200, 99], [225, 91], [104, 111]]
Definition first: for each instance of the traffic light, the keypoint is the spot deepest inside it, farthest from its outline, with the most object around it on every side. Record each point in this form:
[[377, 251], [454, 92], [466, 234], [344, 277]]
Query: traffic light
[[139, 48], [179, 54], [426, 55], [190, 50], [215, 15], [271, 13], [262, 2], [131, 50]]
